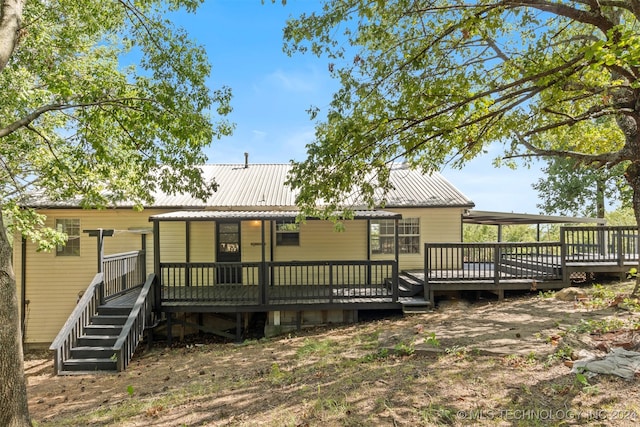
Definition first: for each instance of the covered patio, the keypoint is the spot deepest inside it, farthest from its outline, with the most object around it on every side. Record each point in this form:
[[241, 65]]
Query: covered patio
[[230, 284]]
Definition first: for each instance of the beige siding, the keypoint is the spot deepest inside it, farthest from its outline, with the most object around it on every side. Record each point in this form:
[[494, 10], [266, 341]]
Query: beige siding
[[320, 241], [251, 240], [173, 239], [202, 239]]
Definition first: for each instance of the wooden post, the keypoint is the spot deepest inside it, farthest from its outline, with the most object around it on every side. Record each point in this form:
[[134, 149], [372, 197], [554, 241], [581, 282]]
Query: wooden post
[[396, 268], [238, 327], [143, 247], [156, 266], [187, 255], [427, 290], [263, 269], [563, 256]]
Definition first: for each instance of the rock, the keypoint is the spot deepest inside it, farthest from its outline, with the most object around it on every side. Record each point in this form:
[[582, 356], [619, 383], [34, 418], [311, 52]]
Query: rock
[[570, 294]]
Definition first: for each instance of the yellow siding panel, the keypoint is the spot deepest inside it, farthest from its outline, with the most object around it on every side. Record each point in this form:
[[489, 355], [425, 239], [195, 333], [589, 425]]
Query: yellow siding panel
[[202, 240], [320, 241], [251, 240], [173, 240]]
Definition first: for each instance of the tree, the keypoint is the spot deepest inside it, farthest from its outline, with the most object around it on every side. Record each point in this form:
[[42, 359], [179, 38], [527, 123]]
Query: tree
[[431, 82], [569, 188], [101, 101], [621, 216]]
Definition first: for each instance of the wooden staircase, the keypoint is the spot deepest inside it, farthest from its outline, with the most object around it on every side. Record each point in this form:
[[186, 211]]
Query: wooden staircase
[[409, 285], [411, 291], [94, 350], [102, 333]]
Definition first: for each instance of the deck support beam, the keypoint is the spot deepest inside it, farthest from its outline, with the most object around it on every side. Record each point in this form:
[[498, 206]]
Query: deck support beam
[[239, 327], [169, 329]]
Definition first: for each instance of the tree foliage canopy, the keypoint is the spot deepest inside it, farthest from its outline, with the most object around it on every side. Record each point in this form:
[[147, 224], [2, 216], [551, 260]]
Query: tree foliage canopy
[[569, 188], [434, 82], [105, 101], [101, 101]]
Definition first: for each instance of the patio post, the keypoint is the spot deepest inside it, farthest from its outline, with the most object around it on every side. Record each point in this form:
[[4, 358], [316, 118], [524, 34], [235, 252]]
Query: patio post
[[263, 267], [156, 265], [396, 270]]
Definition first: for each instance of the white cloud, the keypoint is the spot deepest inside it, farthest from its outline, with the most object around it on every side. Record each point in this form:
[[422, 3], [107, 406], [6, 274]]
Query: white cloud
[[294, 81]]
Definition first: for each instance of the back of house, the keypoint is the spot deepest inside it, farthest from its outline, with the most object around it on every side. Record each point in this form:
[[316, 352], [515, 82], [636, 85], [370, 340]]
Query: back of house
[[246, 239]]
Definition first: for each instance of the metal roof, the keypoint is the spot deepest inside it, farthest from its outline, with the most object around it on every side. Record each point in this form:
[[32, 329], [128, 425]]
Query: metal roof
[[506, 218], [257, 215], [412, 188], [262, 186]]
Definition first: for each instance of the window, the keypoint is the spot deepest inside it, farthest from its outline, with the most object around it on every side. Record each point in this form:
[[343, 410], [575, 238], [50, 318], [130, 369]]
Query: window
[[382, 234], [71, 227], [287, 233]]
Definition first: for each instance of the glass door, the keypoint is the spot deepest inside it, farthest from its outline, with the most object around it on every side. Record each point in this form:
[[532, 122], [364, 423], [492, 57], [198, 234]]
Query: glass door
[[228, 251]]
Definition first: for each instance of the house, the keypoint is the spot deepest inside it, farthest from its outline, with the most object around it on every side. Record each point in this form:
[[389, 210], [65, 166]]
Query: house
[[241, 254]]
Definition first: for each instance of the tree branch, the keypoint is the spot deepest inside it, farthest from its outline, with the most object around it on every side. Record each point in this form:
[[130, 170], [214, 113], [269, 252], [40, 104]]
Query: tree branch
[[29, 118], [600, 160]]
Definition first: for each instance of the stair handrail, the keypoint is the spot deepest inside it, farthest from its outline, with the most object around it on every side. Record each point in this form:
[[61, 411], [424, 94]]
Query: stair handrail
[[77, 321], [133, 328]]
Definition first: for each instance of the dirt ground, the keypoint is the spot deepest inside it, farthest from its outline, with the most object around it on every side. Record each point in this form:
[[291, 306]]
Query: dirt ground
[[481, 363]]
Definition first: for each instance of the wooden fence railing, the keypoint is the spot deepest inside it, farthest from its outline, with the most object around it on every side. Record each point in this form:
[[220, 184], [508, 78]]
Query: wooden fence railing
[[123, 272], [76, 323], [491, 261], [264, 283], [133, 330], [600, 244]]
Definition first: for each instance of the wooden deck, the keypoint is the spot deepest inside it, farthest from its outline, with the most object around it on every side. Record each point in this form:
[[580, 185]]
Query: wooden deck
[[234, 298], [494, 267], [497, 267]]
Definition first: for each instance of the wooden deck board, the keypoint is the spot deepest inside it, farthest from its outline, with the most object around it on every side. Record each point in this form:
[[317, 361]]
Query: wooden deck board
[[127, 299]]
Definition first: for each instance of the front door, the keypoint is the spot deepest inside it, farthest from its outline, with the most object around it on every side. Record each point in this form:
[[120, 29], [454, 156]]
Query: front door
[[228, 240]]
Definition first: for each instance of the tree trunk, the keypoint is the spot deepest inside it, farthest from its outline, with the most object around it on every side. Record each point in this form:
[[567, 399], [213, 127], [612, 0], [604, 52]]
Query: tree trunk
[[633, 177], [14, 410], [600, 187], [10, 24]]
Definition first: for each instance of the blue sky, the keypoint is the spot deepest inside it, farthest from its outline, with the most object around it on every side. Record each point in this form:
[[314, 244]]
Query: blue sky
[[272, 91]]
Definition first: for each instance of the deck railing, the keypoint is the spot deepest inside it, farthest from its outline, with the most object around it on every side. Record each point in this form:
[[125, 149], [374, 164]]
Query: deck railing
[[259, 283], [596, 245], [133, 329], [122, 272], [331, 280], [210, 281], [75, 325], [491, 261]]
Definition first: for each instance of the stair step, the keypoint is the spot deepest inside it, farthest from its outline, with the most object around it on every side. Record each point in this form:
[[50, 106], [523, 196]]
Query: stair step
[[109, 319], [92, 352], [417, 276], [102, 329], [90, 365], [416, 306], [409, 280], [114, 310], [96, 341], [409, 286]]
